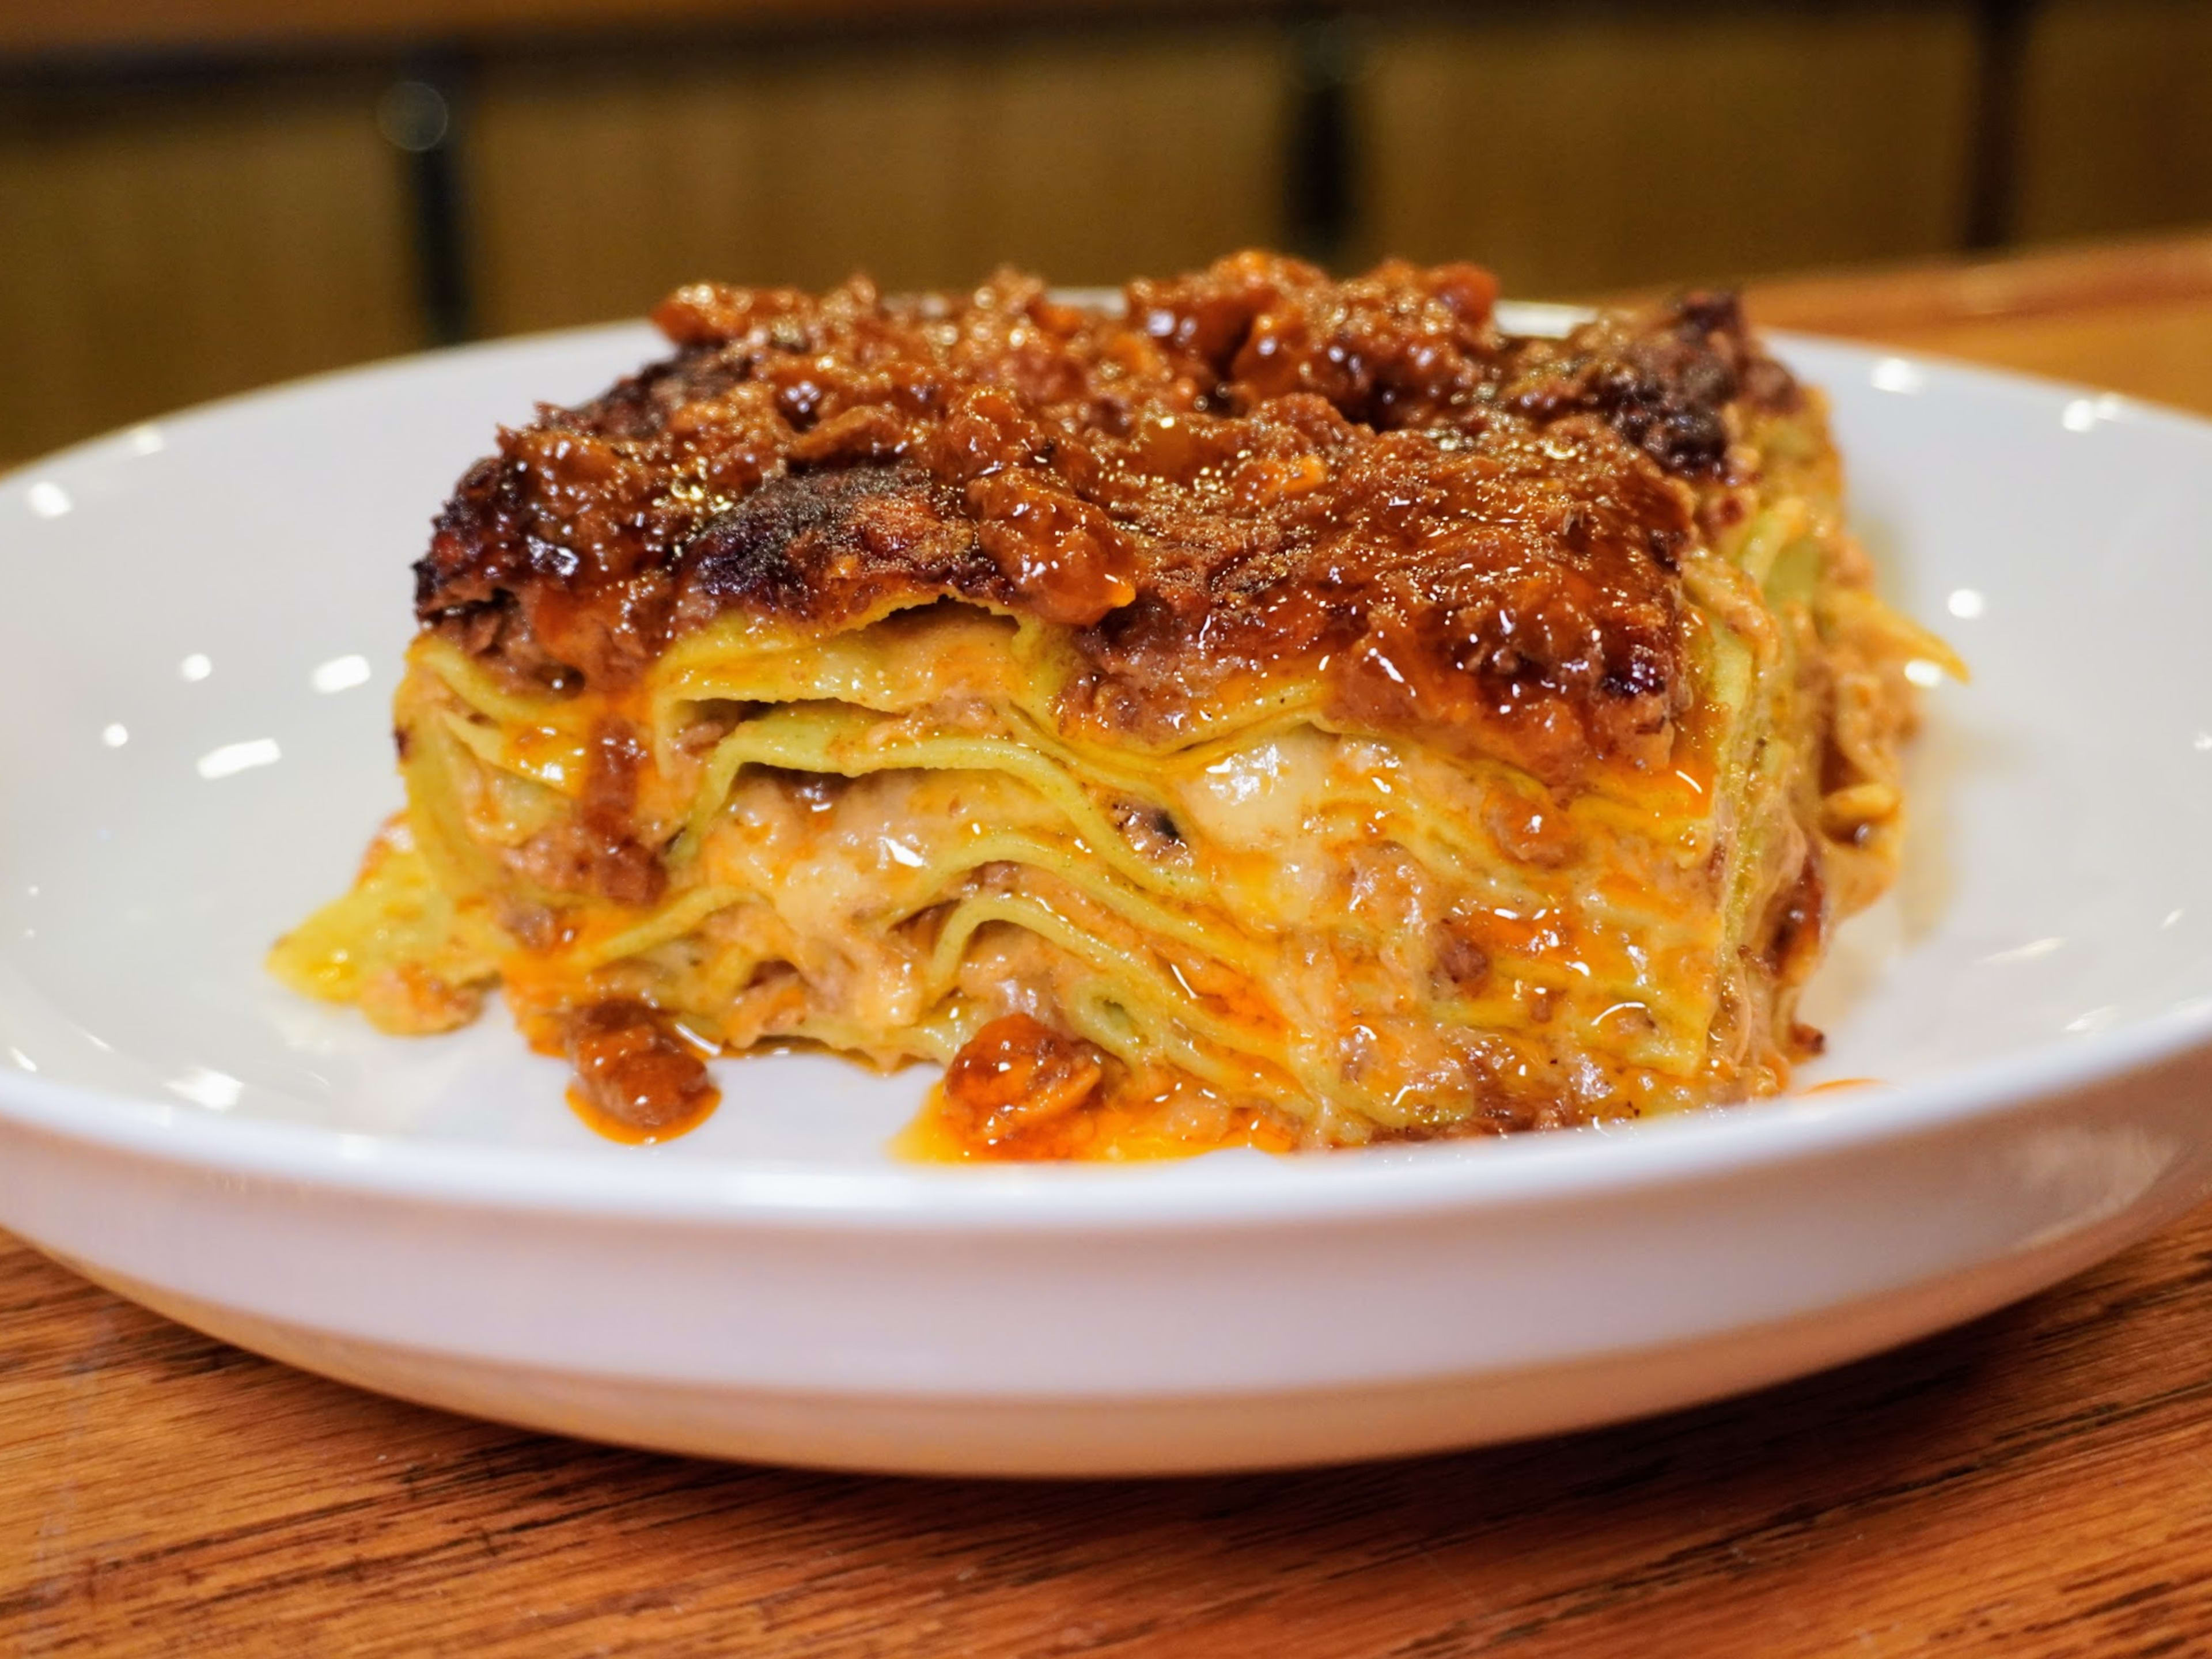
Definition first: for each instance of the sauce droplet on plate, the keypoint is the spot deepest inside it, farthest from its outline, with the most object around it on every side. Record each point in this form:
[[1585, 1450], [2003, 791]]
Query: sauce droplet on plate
[[1020, 1091], [639, 1080]]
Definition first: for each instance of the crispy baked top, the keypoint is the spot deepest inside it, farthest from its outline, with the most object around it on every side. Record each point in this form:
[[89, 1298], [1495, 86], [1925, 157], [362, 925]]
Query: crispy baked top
[[1255, 471]]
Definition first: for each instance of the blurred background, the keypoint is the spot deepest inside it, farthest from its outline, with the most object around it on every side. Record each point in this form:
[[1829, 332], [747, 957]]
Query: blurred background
[[199, 196]]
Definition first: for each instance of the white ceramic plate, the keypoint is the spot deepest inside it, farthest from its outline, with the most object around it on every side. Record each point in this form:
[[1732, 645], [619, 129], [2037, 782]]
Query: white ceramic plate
[[202, 623]]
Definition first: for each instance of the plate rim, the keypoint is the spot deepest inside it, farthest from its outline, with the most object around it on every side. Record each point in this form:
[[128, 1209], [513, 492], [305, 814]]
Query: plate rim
[[1348, 1184]]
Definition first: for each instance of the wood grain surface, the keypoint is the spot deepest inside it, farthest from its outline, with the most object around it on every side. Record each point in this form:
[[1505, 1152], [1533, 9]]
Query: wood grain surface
[[2037, 1484], [2133, 316]]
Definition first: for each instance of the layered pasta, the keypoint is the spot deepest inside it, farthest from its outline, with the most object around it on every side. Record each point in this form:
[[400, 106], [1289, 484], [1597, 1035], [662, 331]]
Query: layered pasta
[[1273, 710]]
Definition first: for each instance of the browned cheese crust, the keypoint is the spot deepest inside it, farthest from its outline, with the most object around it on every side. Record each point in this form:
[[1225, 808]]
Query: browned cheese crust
[[1468, 537]]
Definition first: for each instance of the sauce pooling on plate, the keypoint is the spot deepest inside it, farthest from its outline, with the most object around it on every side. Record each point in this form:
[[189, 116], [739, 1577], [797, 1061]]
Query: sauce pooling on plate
[[1020, 1091], [638, 1080]]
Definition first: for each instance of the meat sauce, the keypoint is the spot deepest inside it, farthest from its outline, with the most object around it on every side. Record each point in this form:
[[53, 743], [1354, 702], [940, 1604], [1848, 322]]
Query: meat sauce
[[638, 1079], [1250, 472], [1018, 1092], [1021, 1092]]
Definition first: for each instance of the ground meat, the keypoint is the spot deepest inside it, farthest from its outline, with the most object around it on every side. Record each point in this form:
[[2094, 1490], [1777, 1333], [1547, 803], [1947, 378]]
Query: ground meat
[[1017, 1078], [1254, 471], [632, 1068]]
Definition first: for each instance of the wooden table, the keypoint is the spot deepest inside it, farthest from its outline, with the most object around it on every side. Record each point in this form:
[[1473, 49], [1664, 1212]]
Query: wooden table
[[2037, 1484]]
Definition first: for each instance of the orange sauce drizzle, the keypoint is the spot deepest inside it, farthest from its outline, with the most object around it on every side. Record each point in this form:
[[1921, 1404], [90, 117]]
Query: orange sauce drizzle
[[634, 1059], [1021, 1092], [700, 1107], [1114, 1130]]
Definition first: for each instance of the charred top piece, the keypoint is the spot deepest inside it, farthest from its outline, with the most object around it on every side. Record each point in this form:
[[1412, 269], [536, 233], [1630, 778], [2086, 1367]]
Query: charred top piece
[[1252, 472]]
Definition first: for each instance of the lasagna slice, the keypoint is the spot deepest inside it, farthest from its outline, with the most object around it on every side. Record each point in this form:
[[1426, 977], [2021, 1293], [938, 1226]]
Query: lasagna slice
[[1276, 710]]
